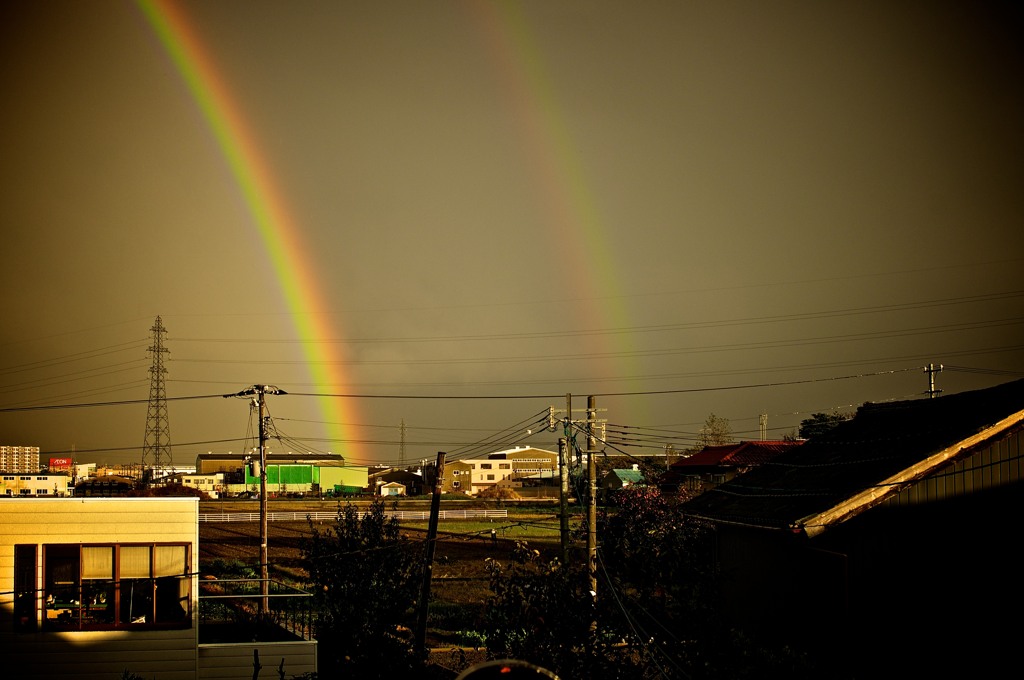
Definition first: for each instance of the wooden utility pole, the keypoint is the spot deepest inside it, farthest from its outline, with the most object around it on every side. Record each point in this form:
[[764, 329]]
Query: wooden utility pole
[[258, 395], [428, 566], [592, 500], [563, 497], [264, 532]]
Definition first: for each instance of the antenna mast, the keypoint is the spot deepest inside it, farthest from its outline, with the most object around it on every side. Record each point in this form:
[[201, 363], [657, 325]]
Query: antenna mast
[[156, 450], [401, 447]]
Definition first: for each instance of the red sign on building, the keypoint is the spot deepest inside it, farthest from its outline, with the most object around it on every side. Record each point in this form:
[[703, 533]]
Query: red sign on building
[[60, 464]]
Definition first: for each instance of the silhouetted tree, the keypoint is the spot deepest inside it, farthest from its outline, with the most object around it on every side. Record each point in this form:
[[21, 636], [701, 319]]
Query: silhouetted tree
[[365, 577], [820, 423], [656, 613], [542, 612], [660, 580], [715, 432]]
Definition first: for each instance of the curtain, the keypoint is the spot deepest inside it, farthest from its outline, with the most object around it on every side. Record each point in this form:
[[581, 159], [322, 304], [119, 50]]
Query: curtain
[[135, 561], [170, 560], [98, 562]]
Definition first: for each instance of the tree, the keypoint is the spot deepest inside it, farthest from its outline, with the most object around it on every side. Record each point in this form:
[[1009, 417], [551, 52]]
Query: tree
[[365, 578], [660, 571], [714, 432], [542, 612], [820, 423], [656, 613], [661, 579], [655, 596], [171, 490]]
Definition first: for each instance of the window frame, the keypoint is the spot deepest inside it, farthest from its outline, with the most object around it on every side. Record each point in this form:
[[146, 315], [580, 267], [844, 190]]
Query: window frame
[[157, 597]]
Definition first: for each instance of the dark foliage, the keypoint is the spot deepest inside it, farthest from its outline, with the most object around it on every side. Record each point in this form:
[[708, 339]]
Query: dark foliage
[[656, 613], [820, 423], [542, 612], [167, 490], [365, 576]]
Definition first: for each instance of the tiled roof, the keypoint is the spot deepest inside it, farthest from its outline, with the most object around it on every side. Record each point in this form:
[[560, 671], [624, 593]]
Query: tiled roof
[[882, 440], [735, 455]]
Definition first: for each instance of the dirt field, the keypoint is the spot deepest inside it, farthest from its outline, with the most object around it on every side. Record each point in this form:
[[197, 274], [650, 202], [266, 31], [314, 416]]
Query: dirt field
[[454, 553], [459, 585]]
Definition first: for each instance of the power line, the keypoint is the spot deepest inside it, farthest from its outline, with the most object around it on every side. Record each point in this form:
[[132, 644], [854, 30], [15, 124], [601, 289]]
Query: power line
[[84, 374], [632, 330], [98, 404], [591, 379], [577, 356], [78, 356]]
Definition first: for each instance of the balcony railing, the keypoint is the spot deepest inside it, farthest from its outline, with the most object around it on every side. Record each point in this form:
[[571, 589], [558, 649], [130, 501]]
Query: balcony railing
[[236, 610]]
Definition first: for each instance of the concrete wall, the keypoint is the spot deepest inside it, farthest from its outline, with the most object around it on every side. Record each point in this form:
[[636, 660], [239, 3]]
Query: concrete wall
[[235, 661]]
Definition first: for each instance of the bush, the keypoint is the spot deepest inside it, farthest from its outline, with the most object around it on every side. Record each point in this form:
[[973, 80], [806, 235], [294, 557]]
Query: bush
[[365, 578]]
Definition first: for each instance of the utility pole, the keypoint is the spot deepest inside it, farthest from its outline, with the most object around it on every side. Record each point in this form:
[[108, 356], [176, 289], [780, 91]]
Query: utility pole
[[592, 500], [264, 529], [258, 394], [563, 497], [931, 370], [428, 566], [156, 447], [763, 424]]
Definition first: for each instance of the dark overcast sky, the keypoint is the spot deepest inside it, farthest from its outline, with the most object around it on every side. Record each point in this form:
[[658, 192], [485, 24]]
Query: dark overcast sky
[[686, 208]]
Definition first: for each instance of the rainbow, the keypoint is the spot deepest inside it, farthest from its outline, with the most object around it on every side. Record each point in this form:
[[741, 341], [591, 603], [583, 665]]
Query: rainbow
[[277, 229], [569, 203]]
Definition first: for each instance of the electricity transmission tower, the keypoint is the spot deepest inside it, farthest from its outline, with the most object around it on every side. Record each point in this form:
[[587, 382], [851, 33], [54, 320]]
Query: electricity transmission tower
[[156, 450]]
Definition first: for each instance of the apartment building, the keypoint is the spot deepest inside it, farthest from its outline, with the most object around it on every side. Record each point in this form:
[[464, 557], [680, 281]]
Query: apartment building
[[511, 468], [19, 459]]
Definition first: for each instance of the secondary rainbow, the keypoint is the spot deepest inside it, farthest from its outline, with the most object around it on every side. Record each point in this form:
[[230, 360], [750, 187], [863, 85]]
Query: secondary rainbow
[[280, 235], [556, 165]]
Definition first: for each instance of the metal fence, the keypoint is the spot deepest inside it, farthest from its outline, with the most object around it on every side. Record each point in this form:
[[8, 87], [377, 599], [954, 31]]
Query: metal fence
[[231, 608], [411, 515]]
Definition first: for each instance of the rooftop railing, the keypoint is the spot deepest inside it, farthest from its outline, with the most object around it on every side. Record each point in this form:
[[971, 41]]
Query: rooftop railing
[[235, 610]]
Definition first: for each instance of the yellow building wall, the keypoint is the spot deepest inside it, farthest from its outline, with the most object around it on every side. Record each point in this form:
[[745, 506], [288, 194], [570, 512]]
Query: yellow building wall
[[88, 655]]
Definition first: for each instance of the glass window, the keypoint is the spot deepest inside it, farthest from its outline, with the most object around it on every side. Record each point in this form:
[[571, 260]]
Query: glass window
[[113, 586], [135, 561], [25, 594], [172, 587], [98, 586]]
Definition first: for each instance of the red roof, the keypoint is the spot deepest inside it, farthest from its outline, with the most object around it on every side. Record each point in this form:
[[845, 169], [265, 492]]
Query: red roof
[[736, 455]]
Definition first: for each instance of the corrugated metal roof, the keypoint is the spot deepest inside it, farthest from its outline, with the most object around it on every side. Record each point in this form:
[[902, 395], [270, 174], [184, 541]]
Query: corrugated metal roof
[[880, 442], [628, 475]]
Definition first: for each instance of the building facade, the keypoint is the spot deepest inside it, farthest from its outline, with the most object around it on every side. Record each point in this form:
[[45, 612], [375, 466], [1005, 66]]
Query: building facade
[[19, 459], [100, 588], [213, 485], [509, 468], [26, 485], [92, 587], [286, 477]]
